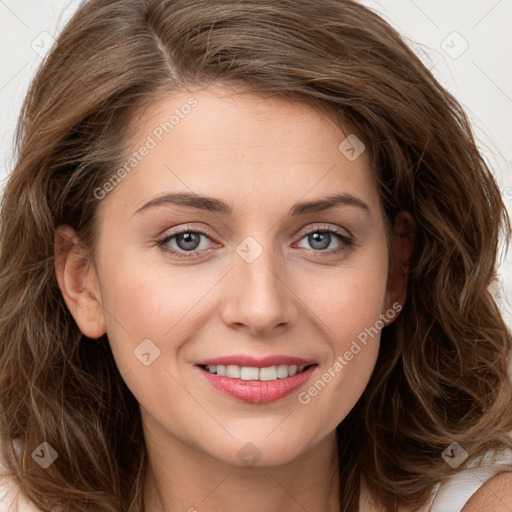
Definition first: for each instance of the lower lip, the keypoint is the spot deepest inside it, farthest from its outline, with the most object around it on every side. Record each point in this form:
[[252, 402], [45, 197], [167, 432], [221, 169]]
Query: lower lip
[[257, 391]]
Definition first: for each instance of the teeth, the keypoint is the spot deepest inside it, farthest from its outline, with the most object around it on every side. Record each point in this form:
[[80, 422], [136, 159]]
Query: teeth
[[247, 373], [251, 373], [233, 371], [282, 371], [269, 373]]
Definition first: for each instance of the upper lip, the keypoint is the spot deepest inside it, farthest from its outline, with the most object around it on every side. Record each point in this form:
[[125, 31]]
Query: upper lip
[[256, 362]]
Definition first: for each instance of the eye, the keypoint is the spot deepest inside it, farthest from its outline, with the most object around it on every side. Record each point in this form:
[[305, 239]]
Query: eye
[[187, 243], [320, 238]]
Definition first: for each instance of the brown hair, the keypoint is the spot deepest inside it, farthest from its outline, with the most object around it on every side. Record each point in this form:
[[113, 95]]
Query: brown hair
[[441, 375]]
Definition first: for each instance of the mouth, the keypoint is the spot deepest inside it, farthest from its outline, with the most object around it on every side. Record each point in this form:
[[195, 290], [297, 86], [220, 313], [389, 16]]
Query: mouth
[[257, 385]]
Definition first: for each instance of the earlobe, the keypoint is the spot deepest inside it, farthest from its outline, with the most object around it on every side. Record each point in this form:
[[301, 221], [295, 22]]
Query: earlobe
[[78, 282], [403, 245]]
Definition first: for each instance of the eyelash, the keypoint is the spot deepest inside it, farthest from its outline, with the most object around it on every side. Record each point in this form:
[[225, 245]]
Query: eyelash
[[346, 240]]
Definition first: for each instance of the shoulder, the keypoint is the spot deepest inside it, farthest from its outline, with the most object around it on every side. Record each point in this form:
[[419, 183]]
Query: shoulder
[[11, 499], [486, 485], [7, 492], [493, 496]]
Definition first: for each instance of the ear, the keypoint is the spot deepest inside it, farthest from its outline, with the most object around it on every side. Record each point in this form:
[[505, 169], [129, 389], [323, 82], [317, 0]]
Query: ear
[[402, 247], [78, 282]]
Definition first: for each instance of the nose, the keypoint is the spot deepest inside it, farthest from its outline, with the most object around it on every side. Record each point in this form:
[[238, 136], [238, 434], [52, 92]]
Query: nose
[[259, 294]]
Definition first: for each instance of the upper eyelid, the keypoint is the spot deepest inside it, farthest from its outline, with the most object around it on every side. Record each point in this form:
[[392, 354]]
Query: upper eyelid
[[187, 229], [323, 227]]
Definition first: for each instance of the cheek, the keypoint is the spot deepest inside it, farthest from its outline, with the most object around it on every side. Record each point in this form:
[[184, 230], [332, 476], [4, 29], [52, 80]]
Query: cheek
[[146, 311], [156, 301], [351, 298], [351, 305], [352, 328]]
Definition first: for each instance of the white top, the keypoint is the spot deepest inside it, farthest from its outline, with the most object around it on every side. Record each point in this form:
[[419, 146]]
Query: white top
[[449, 497], [456, 492]]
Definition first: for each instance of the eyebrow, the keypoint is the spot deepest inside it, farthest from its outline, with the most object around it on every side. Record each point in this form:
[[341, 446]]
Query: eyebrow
[[214, 205]]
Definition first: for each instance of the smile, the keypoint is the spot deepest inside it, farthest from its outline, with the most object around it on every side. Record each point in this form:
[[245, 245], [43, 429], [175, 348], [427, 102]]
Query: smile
[[256, 385]]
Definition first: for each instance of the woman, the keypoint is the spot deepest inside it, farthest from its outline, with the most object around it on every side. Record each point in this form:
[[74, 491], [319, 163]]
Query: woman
[[240, 269]]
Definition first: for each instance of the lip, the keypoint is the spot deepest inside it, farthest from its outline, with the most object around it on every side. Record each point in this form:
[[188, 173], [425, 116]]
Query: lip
[[256, 391], [256, 362]]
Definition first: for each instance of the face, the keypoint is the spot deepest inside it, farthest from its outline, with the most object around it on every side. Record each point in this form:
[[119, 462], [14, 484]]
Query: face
[[262, 269]]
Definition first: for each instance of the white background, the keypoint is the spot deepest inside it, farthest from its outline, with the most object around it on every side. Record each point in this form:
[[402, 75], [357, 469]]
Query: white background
[[480, 76]]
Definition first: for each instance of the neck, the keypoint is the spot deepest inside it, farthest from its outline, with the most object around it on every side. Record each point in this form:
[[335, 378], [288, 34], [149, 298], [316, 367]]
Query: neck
[[181, 478]]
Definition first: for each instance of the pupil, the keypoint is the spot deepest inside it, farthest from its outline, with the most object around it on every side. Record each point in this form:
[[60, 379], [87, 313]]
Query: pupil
[[315, 237], [190, 241]]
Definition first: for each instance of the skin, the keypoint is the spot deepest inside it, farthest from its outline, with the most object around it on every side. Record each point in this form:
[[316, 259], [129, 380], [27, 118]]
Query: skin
[[261, 156]]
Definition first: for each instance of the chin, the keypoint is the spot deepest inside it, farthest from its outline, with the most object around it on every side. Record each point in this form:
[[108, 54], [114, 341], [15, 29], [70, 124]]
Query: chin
[[259, 451]]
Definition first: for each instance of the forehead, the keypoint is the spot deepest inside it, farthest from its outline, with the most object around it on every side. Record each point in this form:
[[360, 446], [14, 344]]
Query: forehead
[[238, 145]]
